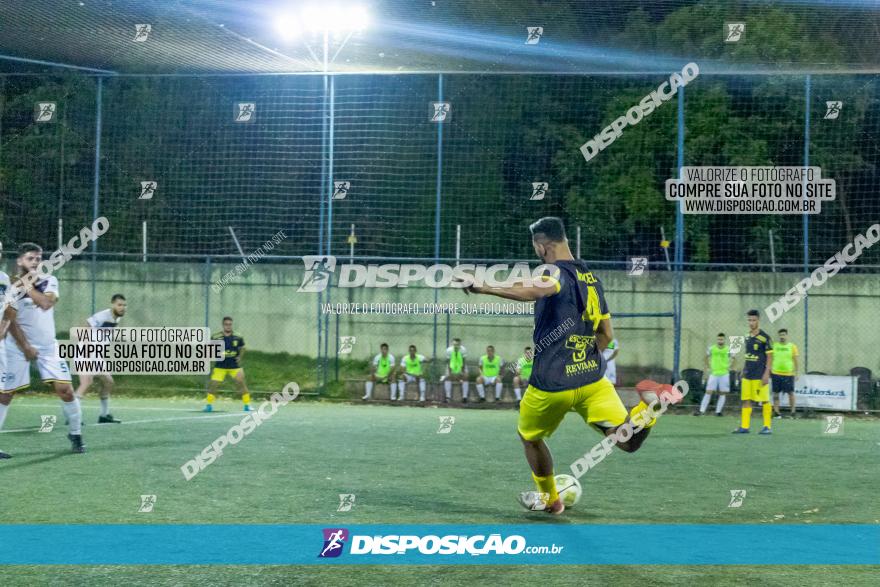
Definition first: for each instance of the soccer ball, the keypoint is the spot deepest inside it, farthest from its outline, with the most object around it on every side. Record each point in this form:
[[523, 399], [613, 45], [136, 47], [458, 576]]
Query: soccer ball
[[569, 489]]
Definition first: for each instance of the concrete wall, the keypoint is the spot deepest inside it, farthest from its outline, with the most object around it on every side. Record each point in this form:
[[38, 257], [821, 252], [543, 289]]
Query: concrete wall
[[273, 316]]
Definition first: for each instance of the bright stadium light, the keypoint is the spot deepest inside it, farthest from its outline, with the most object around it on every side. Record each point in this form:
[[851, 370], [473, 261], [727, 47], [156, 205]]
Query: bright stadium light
[[335, 18], [316, 18]]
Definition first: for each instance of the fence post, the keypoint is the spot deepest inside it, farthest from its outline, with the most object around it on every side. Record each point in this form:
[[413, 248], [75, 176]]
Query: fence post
[[208, 291], [99, 122], [806, 222], [679, 248], [438, 184], [331, 131]]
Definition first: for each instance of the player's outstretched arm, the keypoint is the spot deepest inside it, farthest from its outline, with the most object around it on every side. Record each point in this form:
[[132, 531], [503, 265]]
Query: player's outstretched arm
[[519, 293]]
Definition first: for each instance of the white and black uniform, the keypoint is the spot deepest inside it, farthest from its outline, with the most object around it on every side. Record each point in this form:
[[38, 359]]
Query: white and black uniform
[[610, 364], [5, 288], [38, 326], [102, 319]]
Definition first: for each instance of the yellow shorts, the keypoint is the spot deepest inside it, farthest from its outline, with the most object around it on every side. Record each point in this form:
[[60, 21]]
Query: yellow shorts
[[541, 412], [753, 390], [219, 374]]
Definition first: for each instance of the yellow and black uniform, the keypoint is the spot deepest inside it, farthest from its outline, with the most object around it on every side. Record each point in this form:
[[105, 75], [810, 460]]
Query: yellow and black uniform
[[233, 344], [568, 370], [757, 348], [782, 368]]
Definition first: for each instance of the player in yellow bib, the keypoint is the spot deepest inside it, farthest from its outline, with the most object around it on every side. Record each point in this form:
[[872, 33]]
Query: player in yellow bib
[[719, 361], [783, 372], [381, 371], [456, 370], [523, 372], [490, 374], [412, 372]]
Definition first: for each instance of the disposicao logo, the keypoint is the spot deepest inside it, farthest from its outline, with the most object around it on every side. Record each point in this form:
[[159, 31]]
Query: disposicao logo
[[334, 540]]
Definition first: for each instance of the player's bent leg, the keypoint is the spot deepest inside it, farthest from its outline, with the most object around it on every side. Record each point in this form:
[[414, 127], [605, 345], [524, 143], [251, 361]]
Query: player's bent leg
[[85, 381], [763, 398], [368, 387], [73, 412], [5, 400], [600, 406], [541, 462], [217, 377], [540, 414], [241, 386], [747, 394], [704, 404], [106, 387]]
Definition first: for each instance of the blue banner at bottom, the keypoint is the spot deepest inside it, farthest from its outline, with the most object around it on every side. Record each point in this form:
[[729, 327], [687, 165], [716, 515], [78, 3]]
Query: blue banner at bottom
[[440, 544]]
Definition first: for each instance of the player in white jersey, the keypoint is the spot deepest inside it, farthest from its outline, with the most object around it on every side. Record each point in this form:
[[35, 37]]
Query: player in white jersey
[[33, 334], [6, 317], [610, 353], [108, 318]]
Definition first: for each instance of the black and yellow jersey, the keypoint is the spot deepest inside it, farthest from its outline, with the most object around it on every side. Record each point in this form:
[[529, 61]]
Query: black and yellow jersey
[[566, 353], [233, 344]]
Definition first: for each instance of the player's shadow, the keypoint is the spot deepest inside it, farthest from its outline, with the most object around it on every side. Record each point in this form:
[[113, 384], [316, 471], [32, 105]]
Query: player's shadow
[[15, 462], [516, 515]]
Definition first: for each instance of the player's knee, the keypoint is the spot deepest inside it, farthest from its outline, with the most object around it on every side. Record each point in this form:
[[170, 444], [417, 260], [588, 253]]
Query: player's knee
[[5, 398], [634, 443], [526, 442]]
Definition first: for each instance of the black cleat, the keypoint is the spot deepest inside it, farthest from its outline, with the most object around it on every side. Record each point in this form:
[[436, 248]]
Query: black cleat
[[76, 443], [482, 400], [698, 413], [108, 419], [719, 414], [5, 455], [464, 400]]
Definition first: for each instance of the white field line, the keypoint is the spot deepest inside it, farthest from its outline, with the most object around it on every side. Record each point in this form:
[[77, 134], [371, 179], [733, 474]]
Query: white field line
[[25, 404], [211, 417]]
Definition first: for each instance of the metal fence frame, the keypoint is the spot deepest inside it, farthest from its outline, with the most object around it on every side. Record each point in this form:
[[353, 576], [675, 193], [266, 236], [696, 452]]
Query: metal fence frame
[[325, 229]]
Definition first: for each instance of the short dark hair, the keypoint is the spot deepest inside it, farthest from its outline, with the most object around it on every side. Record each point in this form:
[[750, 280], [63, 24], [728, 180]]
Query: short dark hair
[[225, 318], [754, 313], [528, 348], [412, 346], [383, 345], [117, 297], [549, 228], [781, 330], [25, 248], [490, 347], [454, 339], [721, 334]]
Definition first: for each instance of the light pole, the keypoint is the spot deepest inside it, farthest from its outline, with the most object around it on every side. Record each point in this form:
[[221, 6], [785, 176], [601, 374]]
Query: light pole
[[325, 19]]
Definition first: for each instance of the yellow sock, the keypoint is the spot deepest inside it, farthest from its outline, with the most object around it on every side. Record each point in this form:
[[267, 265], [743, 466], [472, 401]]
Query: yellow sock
[[768, 414], [746, 417], [639, 412], [246, 398], [547, 485], [211, 398]]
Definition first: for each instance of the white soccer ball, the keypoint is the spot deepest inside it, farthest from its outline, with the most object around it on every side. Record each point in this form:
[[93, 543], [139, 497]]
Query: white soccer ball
[[569, 489]]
